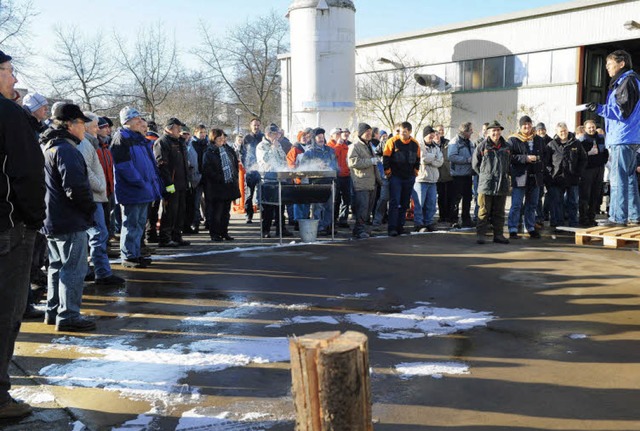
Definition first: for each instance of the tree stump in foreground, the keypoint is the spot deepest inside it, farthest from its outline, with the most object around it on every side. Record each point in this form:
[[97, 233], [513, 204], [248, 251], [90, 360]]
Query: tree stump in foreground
[[330, 374]]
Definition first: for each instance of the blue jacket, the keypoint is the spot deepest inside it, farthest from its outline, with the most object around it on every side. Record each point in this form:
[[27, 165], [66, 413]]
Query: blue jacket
[[69, 200], [460, 151], [622, 111], [137, 180], [319, 157]]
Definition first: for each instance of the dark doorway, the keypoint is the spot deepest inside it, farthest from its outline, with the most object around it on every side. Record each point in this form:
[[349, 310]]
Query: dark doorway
[[595, 80]]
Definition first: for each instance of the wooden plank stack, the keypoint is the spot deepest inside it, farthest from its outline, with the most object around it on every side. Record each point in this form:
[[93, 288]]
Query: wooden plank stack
[[331, 388], [611, 237]]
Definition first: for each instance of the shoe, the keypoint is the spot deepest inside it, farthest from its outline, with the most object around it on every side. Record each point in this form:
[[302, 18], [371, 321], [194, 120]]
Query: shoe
[[227, 237], [79, 324], [514, 235], [147, 251], [91, 276], [146, 261], [610, 223], [182, 243], [432, 227], [423, 229], [266, 235], [135, 262], [500, 239], [112, 280], [480, 239], [171, 244], [216, 238], [362, 235], [534, 234], [249, 221], [49, 319], [633, 223], [15, 409], [33, 314], [393, 233], [417, 227]]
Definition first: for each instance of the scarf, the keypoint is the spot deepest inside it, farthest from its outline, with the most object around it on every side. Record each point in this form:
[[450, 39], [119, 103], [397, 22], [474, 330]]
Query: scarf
[[523, 138], [226, 165]]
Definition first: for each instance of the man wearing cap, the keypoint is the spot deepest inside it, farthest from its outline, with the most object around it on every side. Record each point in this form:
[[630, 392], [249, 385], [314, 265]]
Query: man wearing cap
[[527, 170], [364, 168], [491, 160], [322, 157], [621, 114], [425, 190], [70, 211], [22, 210], [38, 108], [270, 157], [172, 163], [401, 159], [343, 183], [137, 184]]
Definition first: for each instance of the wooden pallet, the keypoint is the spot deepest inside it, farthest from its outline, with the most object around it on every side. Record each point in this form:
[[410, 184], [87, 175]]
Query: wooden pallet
[[612, 237]]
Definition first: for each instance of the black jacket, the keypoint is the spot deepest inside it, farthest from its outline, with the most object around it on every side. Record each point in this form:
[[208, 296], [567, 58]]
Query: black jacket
[[520, 151], [22, 186], [595, 160], [69, 200], [491, 161], [215, 188], [564, 163], [171, 157]]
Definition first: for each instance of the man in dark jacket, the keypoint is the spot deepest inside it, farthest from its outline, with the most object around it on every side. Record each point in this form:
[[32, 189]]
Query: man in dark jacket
[[199, 144], [593, 176], [542, 211], [526, 177], [621, 113], [22, 210], [491, 160], [249, 162], [171, 158], [70, 209], [137, 184], [459, 151], [565, 161]]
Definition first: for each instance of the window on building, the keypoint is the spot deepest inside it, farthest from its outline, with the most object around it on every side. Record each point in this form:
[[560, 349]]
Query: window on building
[[453, 76], [473, 74], [563, 66], [494, 72], [539, 68], [515, 70]]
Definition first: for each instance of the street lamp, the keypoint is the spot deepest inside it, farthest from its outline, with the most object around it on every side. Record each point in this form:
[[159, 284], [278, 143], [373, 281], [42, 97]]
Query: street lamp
[[238, 113], [391, 62]]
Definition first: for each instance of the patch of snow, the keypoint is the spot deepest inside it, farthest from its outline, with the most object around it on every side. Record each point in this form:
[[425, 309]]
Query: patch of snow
[[79, 426], [300, 320], [141, 423], [355, 295], [195, 420], [32, 394], [578, 336], [433, 369]]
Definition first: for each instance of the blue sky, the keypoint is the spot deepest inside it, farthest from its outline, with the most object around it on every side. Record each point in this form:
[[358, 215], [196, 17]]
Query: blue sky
[[374, 18]]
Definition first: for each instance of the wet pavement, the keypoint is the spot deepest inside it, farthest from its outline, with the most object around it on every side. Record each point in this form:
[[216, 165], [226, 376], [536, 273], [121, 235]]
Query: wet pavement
[[199, 342]]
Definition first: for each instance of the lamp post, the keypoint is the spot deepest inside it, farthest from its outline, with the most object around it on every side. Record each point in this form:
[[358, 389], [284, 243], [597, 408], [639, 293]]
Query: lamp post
[[238, 113]]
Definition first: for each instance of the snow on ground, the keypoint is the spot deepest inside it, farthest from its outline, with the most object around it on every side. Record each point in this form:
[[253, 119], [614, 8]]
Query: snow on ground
[[32, 394], [436, 370], [578, 336]]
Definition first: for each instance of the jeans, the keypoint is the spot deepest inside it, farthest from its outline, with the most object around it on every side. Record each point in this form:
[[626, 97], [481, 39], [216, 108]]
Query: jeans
[[16, 250], [399, 196], [529, 196], [557, 202], [383, 202], [323, 213], [301, 211], [67, 269], [624, 199], [134, 218], [250, 184], [362, 203], [426, 198], [98, 236]]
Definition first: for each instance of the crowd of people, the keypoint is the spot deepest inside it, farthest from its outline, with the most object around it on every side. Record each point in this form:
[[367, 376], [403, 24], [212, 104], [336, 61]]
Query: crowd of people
[[71, 184]]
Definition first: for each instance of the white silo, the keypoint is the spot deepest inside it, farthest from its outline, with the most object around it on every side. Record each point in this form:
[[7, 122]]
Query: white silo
[[323, 64]]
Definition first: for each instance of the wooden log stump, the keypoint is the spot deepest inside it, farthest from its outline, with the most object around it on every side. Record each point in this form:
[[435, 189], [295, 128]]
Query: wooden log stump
[[331, 388]]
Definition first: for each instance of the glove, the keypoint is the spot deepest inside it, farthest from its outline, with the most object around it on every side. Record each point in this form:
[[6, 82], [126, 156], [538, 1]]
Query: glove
[[592, 106], [374, 160], [171, 188]]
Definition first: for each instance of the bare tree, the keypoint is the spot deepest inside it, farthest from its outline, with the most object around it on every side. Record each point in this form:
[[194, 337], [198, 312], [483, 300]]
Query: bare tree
[[195, 99], [15, 17], [153, 66], [85, 68], [391, 94], [246, 60]]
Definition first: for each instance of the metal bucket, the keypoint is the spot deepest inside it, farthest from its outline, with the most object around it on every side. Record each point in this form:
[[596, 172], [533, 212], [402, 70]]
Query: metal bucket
[[308, 230]]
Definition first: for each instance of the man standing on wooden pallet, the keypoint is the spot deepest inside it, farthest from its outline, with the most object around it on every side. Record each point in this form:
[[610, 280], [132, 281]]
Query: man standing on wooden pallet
[[622, 123]]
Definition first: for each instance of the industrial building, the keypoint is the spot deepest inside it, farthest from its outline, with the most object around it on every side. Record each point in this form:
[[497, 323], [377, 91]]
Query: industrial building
[[542, 62]]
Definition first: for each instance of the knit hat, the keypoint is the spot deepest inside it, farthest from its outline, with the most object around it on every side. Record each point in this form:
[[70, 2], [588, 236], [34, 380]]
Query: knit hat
[[4, 57], [335, 130], [383, 132], [318, 131], [69, 112], [34, 101], [362, 128], [524, 120], [173, 121], [273, 128], [427, 131], [102, 122], [494, 125], [541, 126], [128, 113]]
